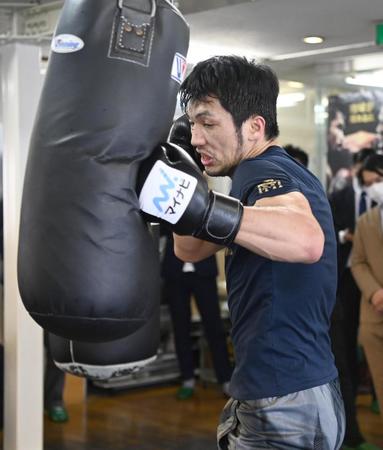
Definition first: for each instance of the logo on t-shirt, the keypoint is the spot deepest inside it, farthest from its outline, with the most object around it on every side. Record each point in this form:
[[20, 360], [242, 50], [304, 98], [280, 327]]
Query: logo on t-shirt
[[269, 185]]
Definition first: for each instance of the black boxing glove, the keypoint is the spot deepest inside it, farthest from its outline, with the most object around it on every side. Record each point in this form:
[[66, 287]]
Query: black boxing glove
[[172, 188], [181, 135]]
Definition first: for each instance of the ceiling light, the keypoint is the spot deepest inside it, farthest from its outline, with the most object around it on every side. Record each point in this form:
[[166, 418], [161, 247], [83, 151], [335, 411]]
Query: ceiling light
[[372, 79], [291, 99], [313, 39], [295, 84], [323, 51]]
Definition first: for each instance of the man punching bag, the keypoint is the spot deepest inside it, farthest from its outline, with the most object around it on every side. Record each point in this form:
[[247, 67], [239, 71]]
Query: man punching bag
[[87, 267]]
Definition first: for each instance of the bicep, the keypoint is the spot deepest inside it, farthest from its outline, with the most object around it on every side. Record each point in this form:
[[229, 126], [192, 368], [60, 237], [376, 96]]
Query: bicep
[[292, 201], [282, 228]]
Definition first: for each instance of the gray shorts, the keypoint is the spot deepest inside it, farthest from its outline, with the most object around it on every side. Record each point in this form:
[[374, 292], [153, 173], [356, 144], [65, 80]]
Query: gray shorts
[[312, 419]]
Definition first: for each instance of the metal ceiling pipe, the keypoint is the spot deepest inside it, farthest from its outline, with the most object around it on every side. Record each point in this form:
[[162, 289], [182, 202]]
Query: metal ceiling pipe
[[30, 5], [15, 5], [22, 37]]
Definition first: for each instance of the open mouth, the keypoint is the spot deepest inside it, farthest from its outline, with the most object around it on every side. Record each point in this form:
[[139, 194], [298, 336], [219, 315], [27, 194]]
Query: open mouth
[[206, 160]]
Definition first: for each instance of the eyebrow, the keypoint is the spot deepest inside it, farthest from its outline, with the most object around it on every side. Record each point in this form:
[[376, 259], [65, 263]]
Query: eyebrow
[[201, 114]]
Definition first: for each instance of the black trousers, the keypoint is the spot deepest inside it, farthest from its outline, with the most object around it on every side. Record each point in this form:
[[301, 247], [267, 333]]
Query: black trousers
[[344, 335], [178, 294], [349, 297], [54, 380]]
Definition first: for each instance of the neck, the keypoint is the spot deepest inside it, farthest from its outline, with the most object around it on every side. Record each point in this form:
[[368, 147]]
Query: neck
[[260, 148]]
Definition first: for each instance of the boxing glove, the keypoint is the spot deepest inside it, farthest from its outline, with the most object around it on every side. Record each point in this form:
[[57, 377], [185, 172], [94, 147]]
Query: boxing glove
[[87, 267], [172, 188], [180, 134]]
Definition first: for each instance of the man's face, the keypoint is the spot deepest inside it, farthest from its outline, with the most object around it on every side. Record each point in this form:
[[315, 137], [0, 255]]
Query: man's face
[[369, 177], [215, 136], [379, 128], [336, 131]]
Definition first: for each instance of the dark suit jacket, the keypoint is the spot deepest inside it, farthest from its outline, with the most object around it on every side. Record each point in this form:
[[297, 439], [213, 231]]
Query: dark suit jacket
[[171, 267], [343, 209]]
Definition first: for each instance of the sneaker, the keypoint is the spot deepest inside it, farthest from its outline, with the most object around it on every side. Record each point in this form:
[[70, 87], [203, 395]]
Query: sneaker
[[58, 414], [374, 407], [363, 446], [184, 393]]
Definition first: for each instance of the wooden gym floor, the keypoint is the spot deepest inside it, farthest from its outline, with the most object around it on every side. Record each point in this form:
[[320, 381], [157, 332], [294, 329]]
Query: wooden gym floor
[[152, 419], [148, 418]]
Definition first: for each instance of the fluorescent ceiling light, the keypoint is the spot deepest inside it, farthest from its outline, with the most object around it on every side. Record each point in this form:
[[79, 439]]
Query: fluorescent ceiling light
[[295, 84], [290, 99], [372, 79], [322, 51], [313, 39]]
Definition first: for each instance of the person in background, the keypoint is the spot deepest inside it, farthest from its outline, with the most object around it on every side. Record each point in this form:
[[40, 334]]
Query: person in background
[[367, 268], [54, 382], [379, 131], [347, 204], [297, 153], [338, 157], [341, 180], [181, 281], [342, 147]]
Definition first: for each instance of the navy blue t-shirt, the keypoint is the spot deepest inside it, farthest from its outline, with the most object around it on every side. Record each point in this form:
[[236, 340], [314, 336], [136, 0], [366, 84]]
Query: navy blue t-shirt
[[280, 311]]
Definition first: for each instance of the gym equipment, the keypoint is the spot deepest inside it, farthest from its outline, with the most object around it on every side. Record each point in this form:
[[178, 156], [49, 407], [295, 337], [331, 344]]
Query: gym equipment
[[108, 360], [87, 268]]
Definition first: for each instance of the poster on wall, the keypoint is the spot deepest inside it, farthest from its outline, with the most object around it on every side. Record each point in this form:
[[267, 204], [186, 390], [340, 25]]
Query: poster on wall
[[355, 121]]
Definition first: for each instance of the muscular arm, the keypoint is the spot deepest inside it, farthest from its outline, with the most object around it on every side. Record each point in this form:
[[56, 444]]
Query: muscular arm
[[281, 228]]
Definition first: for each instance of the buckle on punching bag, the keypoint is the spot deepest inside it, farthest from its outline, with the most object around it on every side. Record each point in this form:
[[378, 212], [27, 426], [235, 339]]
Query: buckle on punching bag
[[133, 31]]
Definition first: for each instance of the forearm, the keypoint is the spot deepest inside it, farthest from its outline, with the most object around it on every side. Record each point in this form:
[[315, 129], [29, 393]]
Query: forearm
[[281, 233], [191, 249]]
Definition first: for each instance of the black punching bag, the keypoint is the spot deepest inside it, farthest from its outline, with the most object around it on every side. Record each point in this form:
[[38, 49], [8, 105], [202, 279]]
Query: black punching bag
[[107, 360], [87, 267], [112, 359]]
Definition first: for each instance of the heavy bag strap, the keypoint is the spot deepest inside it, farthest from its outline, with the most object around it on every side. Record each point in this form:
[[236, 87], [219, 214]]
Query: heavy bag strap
[[133, 31]]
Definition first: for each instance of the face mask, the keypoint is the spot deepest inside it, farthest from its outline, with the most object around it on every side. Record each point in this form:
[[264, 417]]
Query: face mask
[[375, 192]]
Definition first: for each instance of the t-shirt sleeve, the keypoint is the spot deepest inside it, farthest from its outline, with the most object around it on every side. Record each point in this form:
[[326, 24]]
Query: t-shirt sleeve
[[254, 180]]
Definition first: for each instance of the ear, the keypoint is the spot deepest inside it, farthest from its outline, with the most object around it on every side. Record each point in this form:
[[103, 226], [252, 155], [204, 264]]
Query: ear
[[256, 127]]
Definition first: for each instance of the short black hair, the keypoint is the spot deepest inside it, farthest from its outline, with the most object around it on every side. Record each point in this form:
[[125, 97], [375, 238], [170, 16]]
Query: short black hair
[[297, 153], [244, 88], [373, 163], [362, 154]]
